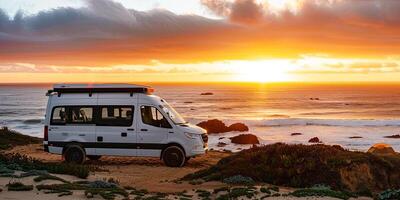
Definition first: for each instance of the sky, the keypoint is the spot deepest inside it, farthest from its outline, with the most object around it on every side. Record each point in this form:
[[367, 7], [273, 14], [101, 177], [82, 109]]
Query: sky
[[199, 41]]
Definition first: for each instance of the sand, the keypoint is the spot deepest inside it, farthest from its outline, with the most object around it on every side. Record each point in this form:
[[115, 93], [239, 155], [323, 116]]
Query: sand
[[140, 173]]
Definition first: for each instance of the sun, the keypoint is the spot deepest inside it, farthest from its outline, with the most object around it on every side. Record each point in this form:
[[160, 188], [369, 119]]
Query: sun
[[264, 71]]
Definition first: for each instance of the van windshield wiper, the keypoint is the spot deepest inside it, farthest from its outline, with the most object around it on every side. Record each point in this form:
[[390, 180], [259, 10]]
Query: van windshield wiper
[[183, 123]]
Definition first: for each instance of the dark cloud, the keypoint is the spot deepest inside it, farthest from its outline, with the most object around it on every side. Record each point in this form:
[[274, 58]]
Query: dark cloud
[[106, 33]]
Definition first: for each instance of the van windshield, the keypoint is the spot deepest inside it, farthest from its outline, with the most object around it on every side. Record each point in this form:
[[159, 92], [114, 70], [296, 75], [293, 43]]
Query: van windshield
[[171, 112]]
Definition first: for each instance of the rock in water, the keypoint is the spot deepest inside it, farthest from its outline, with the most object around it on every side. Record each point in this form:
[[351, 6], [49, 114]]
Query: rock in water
[[238, 127], [207, 93], [381, 148], [217, 126], [221, 144], [314, 140], [245, 139], [393, 136], [214, 126]]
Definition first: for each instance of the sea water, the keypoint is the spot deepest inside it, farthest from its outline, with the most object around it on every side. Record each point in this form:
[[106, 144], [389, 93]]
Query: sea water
[[333, 113]]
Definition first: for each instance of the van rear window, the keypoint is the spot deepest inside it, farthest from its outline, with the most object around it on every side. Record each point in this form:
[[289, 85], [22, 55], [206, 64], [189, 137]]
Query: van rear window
[[115, 116], [59, 116]]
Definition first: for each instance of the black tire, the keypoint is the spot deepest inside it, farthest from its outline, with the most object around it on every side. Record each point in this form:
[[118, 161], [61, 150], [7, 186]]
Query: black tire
[[174, 156], [93, 157], [74, 154]]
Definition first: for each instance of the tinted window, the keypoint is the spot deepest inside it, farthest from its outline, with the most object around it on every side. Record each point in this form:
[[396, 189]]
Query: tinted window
[[59, 116], [151, 116], [80, 115], [115, 116]]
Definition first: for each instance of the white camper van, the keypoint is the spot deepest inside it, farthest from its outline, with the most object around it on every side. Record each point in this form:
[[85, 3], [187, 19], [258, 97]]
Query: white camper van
[[117, 120]]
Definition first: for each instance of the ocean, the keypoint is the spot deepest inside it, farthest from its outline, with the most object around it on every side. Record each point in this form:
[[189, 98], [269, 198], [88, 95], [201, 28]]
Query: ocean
[[333, 113]]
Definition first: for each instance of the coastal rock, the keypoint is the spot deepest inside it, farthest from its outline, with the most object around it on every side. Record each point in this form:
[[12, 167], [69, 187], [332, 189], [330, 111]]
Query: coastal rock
[[245, 139], [238, 127], [355, 137], [221, 144], [294, 134], [214, 126], [207, 93], [393, 136], [314, 140], [217, 126], [381, 148]]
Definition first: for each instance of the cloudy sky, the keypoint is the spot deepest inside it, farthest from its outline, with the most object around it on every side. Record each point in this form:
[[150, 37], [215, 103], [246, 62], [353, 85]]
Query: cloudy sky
[[199, 40]]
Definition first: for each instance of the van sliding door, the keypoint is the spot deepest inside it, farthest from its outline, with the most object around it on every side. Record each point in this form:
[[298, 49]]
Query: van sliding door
[[115, 127]]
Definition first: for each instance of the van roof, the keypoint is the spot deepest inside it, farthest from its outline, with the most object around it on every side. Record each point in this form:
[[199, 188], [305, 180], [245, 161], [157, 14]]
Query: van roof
[[100, 88]]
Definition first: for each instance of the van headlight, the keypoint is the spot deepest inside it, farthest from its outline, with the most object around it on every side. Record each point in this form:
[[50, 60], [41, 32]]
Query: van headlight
[[191, 135]]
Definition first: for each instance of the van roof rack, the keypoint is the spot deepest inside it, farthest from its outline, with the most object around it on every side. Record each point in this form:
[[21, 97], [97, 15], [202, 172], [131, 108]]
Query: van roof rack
[[100, 88]]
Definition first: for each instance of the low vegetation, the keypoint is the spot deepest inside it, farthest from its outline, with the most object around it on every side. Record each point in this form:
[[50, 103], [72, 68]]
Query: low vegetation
[[321, 191], [18, 186], [10, 138], [308, 165], [11, 162]]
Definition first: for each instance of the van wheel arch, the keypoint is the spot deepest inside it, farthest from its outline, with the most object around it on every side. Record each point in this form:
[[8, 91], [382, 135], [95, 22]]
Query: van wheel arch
[[169, 145]]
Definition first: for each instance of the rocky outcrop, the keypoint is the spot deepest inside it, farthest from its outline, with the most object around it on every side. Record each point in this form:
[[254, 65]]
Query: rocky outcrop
[[381, 148], [314, 140], [217, 126], [245, 139], [304, 166]]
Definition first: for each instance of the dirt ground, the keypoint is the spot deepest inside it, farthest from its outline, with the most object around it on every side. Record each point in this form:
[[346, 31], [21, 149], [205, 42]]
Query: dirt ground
[[138, 172]]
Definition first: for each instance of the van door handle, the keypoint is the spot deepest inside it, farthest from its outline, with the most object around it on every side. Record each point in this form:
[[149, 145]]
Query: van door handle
[[99, 139], [130, 129], [143, 129], [124, 134]]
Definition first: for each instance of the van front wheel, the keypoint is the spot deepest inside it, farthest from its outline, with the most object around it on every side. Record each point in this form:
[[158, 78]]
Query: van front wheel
[[74, 154], [174, 156]]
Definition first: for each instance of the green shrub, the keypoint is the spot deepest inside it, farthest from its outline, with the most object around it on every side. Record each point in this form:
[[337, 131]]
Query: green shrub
[[239, 179], [320, 192], [265, 190], [239, 192], [106, 193], [18, 186], [389, 195]]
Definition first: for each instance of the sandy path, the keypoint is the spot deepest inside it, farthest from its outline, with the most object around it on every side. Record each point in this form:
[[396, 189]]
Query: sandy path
[[141, 173]]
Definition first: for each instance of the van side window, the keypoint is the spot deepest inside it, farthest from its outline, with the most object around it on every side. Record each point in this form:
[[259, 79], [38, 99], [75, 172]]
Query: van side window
[[81, 115], [59, 116], [151, 116], [115, 116]]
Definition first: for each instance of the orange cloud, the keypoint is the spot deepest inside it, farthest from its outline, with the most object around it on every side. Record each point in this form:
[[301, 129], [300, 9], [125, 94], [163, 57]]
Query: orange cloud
[[105, 33]]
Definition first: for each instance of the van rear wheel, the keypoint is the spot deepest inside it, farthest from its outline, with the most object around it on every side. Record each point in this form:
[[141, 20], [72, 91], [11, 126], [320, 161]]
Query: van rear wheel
[[174, 156], [74, 154], [94, 157]]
